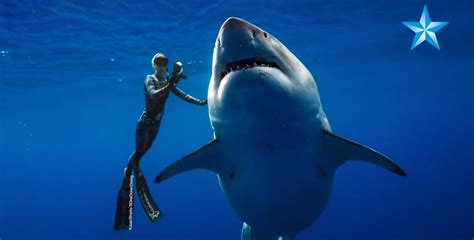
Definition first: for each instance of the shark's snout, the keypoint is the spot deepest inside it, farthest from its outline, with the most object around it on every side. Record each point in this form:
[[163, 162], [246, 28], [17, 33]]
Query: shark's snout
[[241, 45], [234, 22], [236, 32]]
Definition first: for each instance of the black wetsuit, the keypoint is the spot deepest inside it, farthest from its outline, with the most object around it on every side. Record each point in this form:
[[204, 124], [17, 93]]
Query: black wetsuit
[[156, 93]]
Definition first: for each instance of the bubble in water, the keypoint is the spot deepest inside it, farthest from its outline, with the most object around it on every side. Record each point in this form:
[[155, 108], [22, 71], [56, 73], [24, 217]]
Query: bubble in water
[[3, 53]]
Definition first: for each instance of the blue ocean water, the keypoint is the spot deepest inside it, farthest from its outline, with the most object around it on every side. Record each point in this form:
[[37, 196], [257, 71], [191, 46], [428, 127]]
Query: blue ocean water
[[71, 84]]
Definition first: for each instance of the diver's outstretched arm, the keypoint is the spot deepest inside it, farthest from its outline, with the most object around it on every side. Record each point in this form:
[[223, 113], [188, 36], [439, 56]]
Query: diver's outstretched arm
[[186, 97]]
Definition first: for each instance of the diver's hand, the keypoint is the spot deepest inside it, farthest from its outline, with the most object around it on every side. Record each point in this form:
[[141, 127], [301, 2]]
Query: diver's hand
[[177, 68], [177, 73]]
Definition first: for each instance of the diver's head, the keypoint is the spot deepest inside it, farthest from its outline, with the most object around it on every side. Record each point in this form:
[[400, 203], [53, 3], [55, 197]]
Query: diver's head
[[160, 64]]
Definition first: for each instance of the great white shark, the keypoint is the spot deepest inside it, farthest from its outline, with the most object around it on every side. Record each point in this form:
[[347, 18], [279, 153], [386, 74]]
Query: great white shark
[[273, 149]]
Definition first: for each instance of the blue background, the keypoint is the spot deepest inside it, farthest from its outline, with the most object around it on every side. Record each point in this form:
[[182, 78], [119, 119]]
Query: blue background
[[71, 90]]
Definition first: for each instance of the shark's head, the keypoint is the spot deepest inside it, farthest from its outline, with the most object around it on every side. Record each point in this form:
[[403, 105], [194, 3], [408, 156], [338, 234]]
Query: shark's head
[[255, 75]]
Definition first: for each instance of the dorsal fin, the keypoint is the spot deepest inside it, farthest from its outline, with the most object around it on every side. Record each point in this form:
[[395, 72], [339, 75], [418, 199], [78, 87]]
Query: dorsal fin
[[206, 157], [341, 149]]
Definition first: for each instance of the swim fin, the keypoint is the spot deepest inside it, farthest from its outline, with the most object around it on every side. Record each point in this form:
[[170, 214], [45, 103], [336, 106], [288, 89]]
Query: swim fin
[[148, 204], [123, 213]]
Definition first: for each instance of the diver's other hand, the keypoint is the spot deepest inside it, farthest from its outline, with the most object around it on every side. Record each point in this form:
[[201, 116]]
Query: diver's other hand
[[203, 103]]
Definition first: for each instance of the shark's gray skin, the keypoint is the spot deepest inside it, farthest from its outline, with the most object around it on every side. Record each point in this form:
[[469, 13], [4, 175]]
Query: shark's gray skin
[[273, 149]]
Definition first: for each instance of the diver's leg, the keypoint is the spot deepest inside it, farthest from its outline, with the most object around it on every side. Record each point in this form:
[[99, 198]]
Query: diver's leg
[[151, 132], [123, 213], [148, 204], [124, 210]]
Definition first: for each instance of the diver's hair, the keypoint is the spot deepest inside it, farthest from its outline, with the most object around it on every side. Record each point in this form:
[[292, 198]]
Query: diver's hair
[[158, 56]]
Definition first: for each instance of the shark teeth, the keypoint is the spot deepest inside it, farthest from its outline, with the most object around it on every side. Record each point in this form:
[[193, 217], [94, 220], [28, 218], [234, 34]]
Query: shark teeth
[[247, 63]]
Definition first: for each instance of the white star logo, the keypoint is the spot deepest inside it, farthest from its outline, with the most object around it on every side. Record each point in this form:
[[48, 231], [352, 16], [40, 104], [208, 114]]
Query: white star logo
[[425, 29]]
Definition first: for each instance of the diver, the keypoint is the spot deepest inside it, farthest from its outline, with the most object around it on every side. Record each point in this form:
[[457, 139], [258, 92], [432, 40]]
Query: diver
[[157, 89]]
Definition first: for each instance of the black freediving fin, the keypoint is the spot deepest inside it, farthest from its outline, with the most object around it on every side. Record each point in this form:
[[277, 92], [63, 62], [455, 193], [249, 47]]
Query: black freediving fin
[[148, 204], [205, 157], [341, 149], [123, 213]]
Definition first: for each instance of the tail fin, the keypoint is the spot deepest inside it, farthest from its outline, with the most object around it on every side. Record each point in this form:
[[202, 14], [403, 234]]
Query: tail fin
[[342, 149]]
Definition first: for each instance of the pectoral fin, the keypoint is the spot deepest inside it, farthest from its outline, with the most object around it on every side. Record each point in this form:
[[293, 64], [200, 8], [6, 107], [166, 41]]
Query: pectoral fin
[[341, 149], [205, 157]]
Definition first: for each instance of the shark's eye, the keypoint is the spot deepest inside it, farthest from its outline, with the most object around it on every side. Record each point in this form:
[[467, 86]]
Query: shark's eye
[[265, 34]]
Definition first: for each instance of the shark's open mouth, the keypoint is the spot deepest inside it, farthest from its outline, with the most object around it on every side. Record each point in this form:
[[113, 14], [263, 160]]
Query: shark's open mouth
[[247, 63]]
